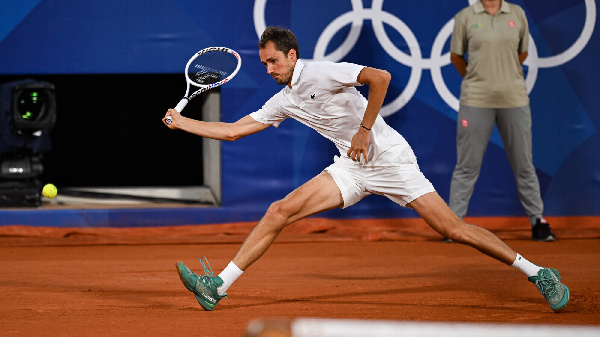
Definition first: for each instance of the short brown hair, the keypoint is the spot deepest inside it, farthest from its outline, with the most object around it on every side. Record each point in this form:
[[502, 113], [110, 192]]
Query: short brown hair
[[283, 39]]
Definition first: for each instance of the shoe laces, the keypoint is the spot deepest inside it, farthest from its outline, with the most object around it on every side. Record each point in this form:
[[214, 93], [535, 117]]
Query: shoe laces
[[548, 284], [208, 274], [207, 269]]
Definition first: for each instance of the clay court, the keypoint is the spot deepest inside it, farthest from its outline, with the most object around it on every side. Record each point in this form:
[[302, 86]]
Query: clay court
[[111, 281]]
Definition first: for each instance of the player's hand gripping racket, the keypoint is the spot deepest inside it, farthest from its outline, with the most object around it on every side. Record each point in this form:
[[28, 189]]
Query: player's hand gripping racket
[[207, 69]]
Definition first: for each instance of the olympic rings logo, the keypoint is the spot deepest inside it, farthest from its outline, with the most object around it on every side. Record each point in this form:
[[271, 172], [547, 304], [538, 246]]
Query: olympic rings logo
[[414, 60]]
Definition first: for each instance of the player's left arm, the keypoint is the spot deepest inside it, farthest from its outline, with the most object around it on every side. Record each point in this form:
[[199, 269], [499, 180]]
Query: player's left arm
[[378, 82]]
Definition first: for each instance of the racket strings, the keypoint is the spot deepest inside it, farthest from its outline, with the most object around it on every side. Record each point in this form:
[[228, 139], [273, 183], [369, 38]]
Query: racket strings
[[212, 67]]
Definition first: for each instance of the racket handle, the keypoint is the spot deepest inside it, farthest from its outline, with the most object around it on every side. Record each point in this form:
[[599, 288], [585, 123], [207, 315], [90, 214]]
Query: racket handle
[[184, 101], [179, 107]]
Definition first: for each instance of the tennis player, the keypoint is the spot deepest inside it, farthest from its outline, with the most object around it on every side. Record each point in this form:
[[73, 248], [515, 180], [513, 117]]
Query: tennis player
[[374, 159]]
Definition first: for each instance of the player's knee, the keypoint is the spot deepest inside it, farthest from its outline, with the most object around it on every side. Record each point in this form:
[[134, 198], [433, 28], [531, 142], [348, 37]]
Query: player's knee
[[278, 213], [458, 233]]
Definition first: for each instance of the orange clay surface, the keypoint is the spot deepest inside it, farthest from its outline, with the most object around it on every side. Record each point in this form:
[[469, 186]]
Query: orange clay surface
[[123, 282]]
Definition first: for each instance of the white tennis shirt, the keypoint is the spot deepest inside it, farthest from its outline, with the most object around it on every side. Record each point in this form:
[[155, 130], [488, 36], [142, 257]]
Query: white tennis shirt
[[323, 97]]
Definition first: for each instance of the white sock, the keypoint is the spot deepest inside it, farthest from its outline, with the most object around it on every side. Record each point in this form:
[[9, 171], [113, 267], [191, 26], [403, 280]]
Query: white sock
[[229, 275], [525, 266]]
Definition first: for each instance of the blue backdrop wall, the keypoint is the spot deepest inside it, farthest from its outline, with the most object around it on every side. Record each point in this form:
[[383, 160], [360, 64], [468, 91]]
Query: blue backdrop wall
[[409, 39]]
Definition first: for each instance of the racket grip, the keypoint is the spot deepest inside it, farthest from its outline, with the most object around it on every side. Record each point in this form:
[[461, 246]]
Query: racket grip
[[179, 107]]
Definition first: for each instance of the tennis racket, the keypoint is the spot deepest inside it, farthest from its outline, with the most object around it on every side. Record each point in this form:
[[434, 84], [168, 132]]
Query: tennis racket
[[207, 69]]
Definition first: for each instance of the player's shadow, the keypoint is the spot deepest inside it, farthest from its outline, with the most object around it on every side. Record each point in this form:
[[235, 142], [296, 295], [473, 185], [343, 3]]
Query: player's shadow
[[366, 297]]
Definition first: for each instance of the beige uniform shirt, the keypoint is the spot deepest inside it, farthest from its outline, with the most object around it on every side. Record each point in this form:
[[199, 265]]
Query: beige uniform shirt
[[492, 45]]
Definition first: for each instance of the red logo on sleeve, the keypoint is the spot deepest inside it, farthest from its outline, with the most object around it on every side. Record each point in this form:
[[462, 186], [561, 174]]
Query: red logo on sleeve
[[465, 123]]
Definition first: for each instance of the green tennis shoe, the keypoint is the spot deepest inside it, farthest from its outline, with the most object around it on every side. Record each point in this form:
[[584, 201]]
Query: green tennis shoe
[[548, 283], [203, 287]]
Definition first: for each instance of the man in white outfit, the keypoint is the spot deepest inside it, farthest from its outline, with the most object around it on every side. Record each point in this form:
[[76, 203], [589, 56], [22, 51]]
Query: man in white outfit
[[374, 159]]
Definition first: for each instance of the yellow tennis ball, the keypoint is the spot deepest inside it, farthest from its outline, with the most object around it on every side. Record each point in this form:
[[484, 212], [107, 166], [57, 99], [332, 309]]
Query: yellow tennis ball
[[49, 191]]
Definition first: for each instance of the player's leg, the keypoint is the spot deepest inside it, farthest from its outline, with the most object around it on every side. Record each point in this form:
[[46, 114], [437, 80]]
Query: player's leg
[[439, 216], [401, 180], [317, 195]]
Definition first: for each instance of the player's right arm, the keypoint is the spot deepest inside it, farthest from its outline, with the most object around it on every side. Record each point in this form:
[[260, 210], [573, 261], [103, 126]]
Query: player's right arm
[[215, 130]]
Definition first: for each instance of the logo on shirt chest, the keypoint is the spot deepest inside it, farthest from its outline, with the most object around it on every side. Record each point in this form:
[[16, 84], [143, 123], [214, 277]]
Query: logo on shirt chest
[[511, 24], [313, 96]]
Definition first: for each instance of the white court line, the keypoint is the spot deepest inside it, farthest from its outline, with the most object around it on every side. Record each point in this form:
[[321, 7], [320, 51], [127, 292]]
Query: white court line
[[354, 328]]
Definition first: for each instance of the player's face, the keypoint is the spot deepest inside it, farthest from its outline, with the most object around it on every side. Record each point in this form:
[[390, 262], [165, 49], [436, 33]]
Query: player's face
[[280, 67]]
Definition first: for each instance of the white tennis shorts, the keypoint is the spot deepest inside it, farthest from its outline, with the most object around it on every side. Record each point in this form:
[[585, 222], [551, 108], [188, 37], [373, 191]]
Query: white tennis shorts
[[395, 174]]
